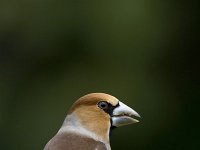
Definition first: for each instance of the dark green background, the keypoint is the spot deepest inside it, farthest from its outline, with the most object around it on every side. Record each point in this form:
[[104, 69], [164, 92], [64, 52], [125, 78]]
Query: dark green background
[[143, 52]]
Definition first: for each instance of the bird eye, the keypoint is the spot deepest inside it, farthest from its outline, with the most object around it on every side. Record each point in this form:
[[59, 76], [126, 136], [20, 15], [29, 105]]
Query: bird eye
[[103, 105]]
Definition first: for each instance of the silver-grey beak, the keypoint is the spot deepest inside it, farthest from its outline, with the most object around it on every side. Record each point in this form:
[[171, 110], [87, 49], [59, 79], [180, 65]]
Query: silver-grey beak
[[124, 115]]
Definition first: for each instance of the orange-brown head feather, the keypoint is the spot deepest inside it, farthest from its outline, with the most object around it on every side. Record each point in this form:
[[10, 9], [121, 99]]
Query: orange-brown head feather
[[93, 99], [91, 116]]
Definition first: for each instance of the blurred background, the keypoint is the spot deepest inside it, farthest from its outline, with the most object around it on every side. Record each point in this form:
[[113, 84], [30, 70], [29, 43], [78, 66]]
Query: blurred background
[[146, 53]]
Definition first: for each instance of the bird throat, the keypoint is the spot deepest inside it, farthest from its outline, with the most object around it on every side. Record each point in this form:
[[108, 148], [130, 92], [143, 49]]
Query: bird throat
[[98, 123], [97, 129]]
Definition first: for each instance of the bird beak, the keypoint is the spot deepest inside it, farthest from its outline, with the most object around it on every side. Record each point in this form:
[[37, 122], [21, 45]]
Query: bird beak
[[124, 115]]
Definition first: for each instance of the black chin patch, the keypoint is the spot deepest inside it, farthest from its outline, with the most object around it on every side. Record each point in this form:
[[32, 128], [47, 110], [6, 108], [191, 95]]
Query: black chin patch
[[111, 130], [111, 122]]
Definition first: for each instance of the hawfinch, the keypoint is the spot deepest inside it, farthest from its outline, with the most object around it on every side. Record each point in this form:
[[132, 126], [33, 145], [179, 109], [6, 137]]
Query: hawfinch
[[89, 122]]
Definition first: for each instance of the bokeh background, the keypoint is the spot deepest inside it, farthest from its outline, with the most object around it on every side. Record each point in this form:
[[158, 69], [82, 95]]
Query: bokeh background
[[143, 52]]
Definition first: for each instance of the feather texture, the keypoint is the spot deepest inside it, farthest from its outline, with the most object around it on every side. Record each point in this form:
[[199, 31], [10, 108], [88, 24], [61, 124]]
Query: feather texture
[[70, 141]]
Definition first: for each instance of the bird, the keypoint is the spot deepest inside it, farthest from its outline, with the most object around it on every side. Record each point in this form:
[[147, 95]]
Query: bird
[[90, 121]]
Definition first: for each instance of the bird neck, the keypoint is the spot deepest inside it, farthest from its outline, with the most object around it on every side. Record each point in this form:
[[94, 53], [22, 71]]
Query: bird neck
[[94, 130]]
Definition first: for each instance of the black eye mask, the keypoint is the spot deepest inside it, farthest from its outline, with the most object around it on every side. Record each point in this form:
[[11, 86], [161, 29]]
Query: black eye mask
[[107, 107]]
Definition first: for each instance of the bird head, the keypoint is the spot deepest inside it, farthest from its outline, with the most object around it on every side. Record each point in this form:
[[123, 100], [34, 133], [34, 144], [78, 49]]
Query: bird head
[[100, 112]]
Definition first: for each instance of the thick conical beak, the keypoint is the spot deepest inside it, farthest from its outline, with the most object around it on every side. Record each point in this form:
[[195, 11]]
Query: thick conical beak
[[124, 115]]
